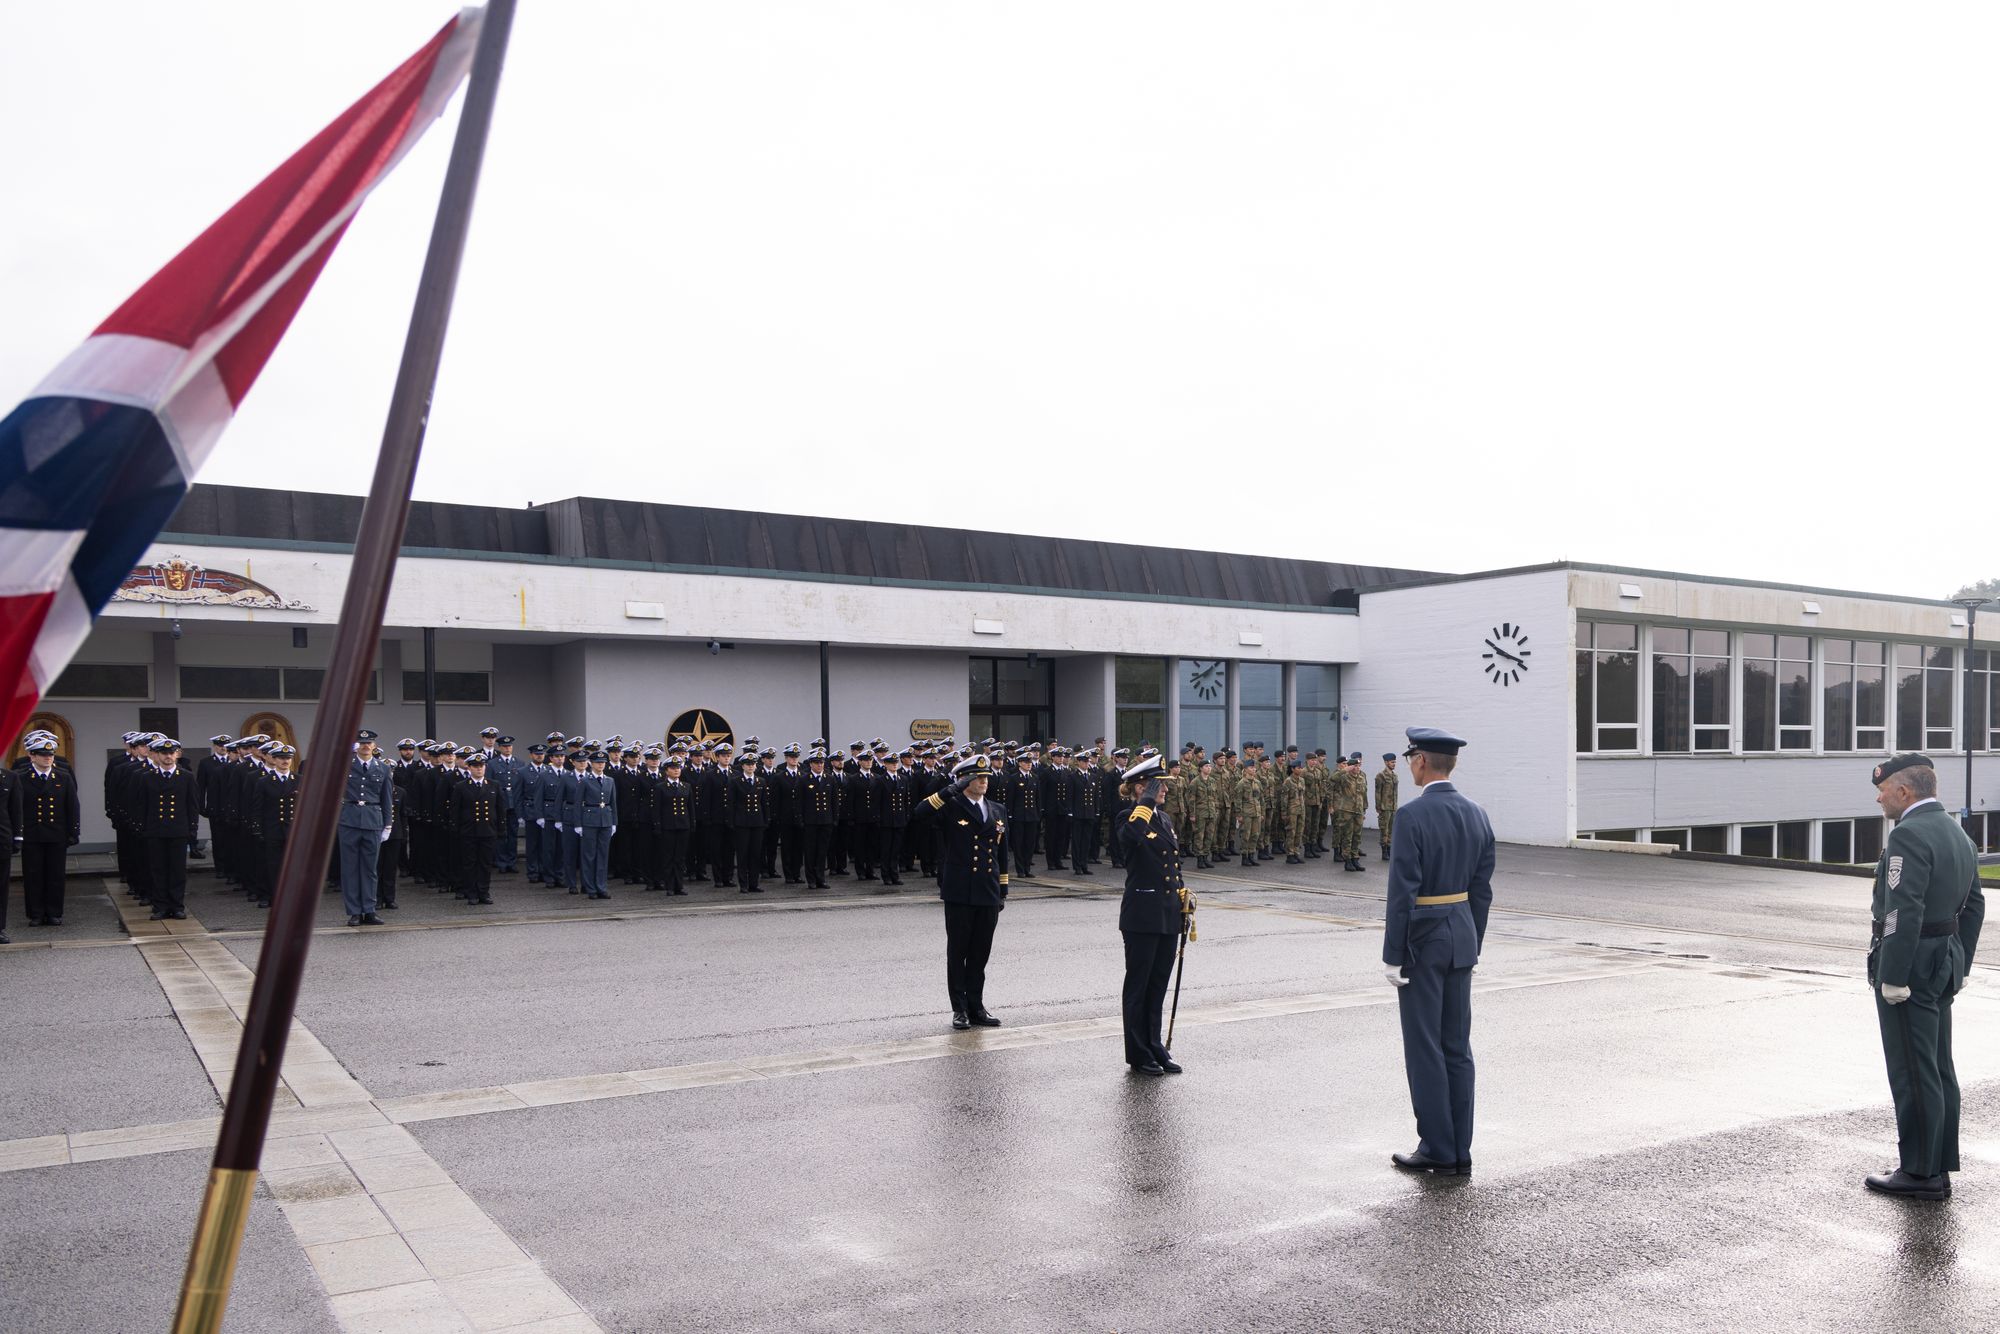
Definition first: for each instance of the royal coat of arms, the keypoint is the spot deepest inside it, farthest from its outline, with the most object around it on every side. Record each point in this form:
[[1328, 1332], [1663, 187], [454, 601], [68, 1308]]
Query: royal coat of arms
[[181, 582]]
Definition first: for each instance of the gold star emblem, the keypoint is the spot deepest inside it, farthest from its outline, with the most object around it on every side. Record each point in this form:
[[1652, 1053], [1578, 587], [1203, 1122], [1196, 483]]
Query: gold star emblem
[[701, 735]]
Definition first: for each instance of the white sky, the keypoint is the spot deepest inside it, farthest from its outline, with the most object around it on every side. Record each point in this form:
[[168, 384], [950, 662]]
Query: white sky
[[1705, 286]]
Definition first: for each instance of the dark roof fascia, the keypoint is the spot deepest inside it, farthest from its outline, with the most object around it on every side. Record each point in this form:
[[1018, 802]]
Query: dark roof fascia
[[1639, 573], [645, 567]]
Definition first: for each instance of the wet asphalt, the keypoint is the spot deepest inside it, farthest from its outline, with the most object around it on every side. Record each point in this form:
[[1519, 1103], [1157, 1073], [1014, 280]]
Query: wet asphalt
[[1680, 1089]]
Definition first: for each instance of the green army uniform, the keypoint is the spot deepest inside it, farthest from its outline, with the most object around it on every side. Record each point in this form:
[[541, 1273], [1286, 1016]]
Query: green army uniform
[[1223, 793], [1201, 811], [1250, 814], [1274, 804], [1388, 788], [1350, 802], [1293, 793], [1928, 908], [1321, 784]]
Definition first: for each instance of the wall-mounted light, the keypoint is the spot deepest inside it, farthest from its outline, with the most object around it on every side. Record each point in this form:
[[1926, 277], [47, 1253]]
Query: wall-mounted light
[[1812, 608], [1630, 591], [1250, 638], [646, 611], [981, 626], [298, 636]]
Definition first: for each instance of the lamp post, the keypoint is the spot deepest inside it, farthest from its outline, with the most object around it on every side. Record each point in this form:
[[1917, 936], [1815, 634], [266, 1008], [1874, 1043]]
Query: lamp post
[[1972, 606]]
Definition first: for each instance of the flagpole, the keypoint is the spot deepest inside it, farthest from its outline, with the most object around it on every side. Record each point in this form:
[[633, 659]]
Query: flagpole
[[281, 963]]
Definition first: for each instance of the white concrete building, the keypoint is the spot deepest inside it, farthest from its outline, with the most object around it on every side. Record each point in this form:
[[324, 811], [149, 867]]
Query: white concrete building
[[1717, 715]]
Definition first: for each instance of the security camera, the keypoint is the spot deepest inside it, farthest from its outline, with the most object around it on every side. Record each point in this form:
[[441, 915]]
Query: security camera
[[714, 645], [177, 627]]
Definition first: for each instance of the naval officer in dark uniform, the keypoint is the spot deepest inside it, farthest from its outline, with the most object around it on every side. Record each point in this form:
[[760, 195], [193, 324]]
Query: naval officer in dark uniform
[[972, 881], [1152, 914], [1928, 909], [1440, 888]]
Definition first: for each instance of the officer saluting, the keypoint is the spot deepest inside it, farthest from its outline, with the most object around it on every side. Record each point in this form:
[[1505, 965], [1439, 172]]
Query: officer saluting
[[1928, 909], [367, 806], [1440, 888], [1152, 915], [972, 881]]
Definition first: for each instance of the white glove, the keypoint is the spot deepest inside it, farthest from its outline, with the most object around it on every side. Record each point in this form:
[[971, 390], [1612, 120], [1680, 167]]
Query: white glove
[[541, 823], [523, 824], [1894, 995], [614, 829], [559, 825], [386, 833], [1395, 975]]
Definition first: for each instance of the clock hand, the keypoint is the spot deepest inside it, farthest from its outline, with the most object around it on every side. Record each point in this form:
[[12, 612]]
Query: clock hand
[[1503, 653]]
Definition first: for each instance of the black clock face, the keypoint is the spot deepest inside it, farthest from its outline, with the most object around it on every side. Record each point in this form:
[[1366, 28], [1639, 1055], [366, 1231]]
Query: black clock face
[[1506, 654], [1205, 679]]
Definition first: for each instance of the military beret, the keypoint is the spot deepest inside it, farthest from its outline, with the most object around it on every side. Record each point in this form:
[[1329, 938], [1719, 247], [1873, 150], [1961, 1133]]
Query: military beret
[[1388, 754], [1895, 764], [1430, 740]]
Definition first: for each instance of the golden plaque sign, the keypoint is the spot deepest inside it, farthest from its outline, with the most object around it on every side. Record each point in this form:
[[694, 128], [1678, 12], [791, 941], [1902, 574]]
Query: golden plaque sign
[[930, 729]]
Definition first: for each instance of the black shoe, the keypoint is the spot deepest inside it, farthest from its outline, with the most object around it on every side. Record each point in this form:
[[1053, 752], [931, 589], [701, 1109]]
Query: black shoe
[[155, 916], [959, 1022], [353, 920], [1201, 863], [1902, 1183], [1150, 1068], [754, 889], [1263, 856], [1465, 1170], [1249, 861], [1170, 1065], [4, 940], [1353, 865], [1294, 860], [370, 919], [488, 902], [1385, 854], [681, 892], [983, 1019], [1416, 1162], [392, 906]]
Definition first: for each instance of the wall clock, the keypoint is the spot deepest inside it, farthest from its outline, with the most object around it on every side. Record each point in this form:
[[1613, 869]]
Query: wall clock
[[1506, 654], [1205, 679]]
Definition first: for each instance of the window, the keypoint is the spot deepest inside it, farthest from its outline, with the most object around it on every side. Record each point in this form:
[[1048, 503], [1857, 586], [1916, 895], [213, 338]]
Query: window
[[1709, 838], [452, 687], [1260, 712], [1982, 699], [1011, 699], [1316, 723], [1141, 685], [1984, 829], [1607, 686], [306, 683], [249, 683], [1677, 838], [1850, 842], [1855, 694], [1690, 690], [1612, 835], [1789, 841], [1923, 697], [1777, 692], [1203, 685], [103, 680]]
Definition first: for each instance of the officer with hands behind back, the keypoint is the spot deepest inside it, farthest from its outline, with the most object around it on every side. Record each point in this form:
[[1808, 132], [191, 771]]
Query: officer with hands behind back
[[1928, 909], [1440, 888], [1152, 914]]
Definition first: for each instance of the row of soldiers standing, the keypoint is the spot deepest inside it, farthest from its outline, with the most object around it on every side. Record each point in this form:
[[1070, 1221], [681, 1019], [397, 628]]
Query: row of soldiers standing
[[1255, 806]]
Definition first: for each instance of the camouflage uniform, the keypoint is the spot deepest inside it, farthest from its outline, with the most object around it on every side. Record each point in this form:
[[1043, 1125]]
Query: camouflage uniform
[[1293, 793], [1250, 813], [1350, 803], [1202, 803], [1319, 796], [1387, 789]]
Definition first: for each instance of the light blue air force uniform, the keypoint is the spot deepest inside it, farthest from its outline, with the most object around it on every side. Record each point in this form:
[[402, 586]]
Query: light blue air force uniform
[[530, 810], [596, 813], [367, 807], [1440, 888]]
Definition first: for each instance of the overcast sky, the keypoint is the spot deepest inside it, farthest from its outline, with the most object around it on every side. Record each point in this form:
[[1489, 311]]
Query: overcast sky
[[1702, 286]]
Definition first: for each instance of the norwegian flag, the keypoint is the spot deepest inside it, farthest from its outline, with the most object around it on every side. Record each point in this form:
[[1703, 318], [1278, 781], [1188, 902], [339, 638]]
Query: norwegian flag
[[96, 460]]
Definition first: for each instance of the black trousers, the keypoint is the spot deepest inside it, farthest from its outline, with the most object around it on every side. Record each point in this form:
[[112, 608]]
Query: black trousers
[[792, 849], [476, 866], [1058, 832], [722, 853], [6, 870], [166, 874], [1023, 835], [861, 842], [273, 850], [671, 857], [838, 838], [1149, 967], [817, 837], [387, 862], [642, 863], [43, 866], [968, 942], [892, 854], [1082, 832], [749, 856]]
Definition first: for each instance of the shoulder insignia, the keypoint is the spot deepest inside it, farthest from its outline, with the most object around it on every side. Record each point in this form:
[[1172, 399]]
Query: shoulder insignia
[[1141, 814], [1895, 872], [936, 800]]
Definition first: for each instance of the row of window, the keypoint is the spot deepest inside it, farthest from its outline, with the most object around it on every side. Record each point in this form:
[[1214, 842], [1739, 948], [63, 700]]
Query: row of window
[[1840, 841], [1673, 690], [254, 685]]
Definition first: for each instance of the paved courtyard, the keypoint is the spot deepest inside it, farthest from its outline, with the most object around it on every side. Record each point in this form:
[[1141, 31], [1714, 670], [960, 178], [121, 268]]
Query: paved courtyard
[[554, 1115]]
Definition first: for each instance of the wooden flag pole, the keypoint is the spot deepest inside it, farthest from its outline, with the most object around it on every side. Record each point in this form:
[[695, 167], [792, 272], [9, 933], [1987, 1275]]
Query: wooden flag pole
[[288, 935]]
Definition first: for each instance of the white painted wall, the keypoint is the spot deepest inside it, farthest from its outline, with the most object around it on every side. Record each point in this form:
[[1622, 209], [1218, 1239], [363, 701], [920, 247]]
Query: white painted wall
[[1420, 666], [564, 601]]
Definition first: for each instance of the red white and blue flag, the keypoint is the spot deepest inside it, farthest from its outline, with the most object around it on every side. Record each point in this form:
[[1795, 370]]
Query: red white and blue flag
[[96, 460]]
